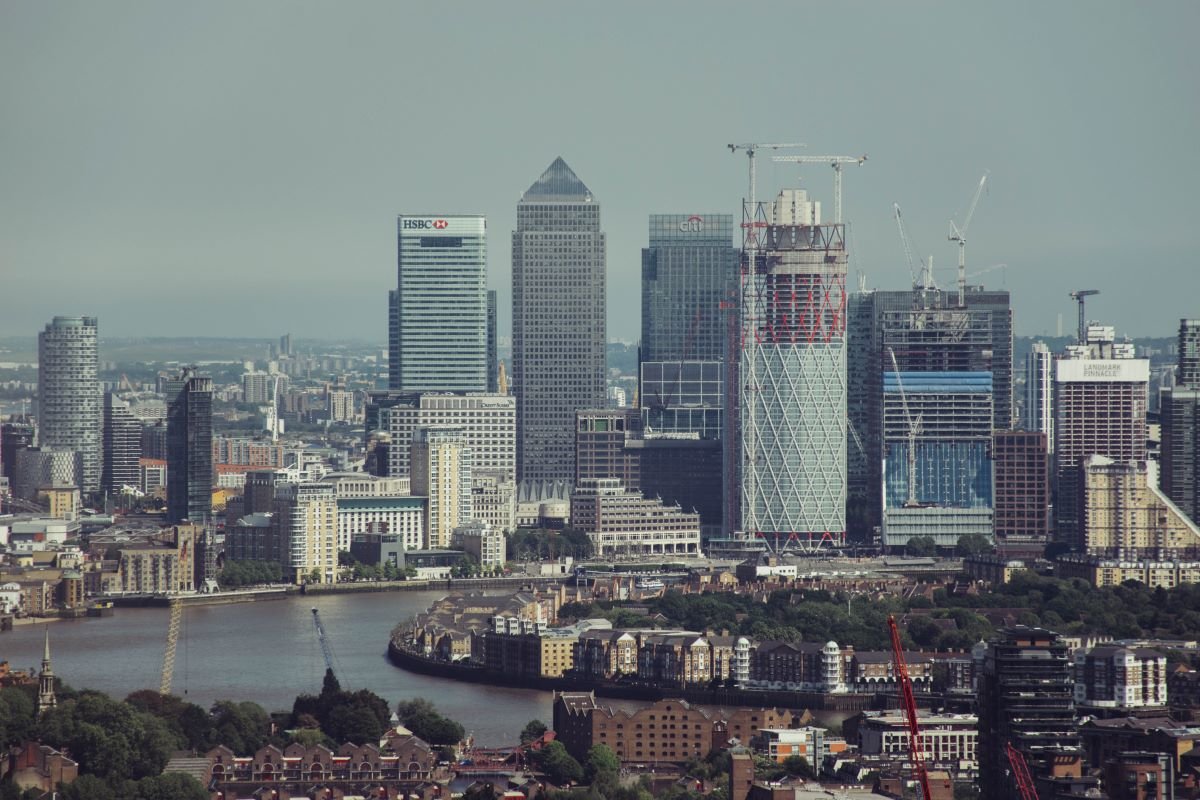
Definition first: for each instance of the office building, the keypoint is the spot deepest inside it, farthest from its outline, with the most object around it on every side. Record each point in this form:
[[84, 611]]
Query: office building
[[1038, 414], [1026, 698], [439, 315], [493, 344], [441, 463], [792, 376], [927, 331], [480, 541], [689, 272], [488, 420], [1022, 494], [15, 435], [69, 413], [44, 467], [258, 491], [1179, 410], [189, 447], [494, 501], [122, 446], [1100, 394], [951, 462], [399, 516], [558, 319], [620, 522], [681, 469]]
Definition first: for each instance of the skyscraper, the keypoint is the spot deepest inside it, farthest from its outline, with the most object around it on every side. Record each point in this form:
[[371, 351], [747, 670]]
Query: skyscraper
[[1038, 414], [69, 393], [927, 331], [688, 271], [493, 353], [558, 319], [1180, 414], [439, 315], [189, 447], [1100, 396], [122, 446], [792, 375]]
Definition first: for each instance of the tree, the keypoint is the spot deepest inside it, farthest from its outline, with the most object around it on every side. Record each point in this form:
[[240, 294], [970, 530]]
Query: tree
[[242, 727], [602, 763], [170, 786], [534, 729], [972, 544], [420, 717], [798, 765], [921, 546], [558, 765]]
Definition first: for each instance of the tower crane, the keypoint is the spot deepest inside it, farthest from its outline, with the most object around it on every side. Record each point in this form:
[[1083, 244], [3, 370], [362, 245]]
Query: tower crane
[[173, 623], [910, 711], [326, 650], [834, 161], [748, 309], [1078, 296], [1021, 774], [751, 149], [914, 429], [926, 268], [959, 235]]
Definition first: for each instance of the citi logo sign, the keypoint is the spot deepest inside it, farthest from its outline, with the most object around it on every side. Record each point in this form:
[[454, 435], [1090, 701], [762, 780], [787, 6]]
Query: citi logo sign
[[425, 224], [692, 224]]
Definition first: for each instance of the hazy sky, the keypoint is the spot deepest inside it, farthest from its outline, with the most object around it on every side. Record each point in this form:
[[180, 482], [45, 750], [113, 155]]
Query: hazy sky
[[209, 168]]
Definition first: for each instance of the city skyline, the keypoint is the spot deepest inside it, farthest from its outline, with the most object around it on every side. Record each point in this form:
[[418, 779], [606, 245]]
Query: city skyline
[[207, 166]]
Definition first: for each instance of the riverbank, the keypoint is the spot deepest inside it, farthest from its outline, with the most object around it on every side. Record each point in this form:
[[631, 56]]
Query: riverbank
[[745, 698]]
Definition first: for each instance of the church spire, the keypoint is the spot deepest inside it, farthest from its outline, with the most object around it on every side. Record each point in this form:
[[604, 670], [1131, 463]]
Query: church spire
[[46, 699]]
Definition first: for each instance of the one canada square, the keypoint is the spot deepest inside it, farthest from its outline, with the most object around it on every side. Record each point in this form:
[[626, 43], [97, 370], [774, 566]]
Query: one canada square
[[558, 320], [793, 375]]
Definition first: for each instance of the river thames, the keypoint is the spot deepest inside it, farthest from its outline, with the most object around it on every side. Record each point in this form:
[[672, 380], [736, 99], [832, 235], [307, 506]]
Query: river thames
[[267, 652]]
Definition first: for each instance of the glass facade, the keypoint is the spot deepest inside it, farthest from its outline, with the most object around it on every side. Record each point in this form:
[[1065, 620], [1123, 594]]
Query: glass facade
[[69, 399], [439, 315]]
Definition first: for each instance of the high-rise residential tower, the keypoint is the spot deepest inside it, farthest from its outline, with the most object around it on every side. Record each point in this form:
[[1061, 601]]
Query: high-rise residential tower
[[558, 319], [69, 414], [688, 272], [122, 446], [189, 447], [1100, 398], [439, 316], [1180, 413], [1038, 414], [441, 472], [792, 376]]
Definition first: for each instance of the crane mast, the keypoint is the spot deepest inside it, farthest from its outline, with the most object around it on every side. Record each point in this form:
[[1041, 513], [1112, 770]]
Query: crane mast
[[910, 711], [748, 309], [914, 429], [1079, 296], [926, 281], [326, 650], [959, 235]]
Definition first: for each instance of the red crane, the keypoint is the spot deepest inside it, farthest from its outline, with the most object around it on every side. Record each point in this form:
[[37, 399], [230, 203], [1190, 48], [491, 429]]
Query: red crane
[[910, 710], [1021, 774]]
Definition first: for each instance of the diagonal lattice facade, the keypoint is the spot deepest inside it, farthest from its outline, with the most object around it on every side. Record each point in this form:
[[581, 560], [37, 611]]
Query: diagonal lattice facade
[[793, 385]]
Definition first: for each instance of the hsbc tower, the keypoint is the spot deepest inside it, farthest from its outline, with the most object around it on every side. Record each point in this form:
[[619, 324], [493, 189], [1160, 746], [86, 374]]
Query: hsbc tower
[[437, 337]]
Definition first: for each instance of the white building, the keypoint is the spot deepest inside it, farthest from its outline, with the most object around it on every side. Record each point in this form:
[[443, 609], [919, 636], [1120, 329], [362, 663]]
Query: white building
[[477, 538], [944, 737], [494, 501], [1111, 676], [441, 472], [488, 420], [624, 523], [306, 516]]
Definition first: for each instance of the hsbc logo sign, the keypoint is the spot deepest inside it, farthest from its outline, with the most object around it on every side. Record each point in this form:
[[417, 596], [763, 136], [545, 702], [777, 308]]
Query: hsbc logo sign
[[425, 224], [693, 224]]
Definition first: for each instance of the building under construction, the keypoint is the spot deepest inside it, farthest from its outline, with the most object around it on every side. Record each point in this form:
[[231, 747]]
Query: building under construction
[[928, 331], [792, 374]]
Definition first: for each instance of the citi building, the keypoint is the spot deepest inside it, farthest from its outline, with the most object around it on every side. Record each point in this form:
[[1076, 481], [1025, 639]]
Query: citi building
[[438, 320]]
